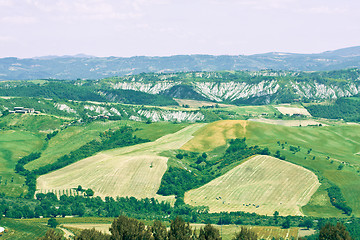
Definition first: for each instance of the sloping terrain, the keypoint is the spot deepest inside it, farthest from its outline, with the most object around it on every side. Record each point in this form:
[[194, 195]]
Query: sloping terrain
[[322, 149], [130, 171], [262, 184]]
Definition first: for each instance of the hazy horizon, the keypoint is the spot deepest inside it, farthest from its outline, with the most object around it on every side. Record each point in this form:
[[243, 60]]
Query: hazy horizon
[[103, 28]]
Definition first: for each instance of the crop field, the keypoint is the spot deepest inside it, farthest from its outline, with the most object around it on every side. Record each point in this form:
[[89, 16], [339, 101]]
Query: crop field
[[262, 184], [215, 134], [291, 110], [329, 145], [13, 146], [130, 171]]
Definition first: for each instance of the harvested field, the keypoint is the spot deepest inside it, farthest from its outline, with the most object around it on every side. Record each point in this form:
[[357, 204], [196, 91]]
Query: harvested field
[[102, 227], [130, 171], [262, 184], [293, 110], [215, 135], [289, 123]]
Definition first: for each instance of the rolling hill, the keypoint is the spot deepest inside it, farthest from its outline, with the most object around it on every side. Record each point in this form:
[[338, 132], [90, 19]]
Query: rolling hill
[[87, 67]]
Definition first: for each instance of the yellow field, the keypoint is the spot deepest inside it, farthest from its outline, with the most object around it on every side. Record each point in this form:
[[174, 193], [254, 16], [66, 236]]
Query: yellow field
[[262, 184], [215, 135], [130, 171]]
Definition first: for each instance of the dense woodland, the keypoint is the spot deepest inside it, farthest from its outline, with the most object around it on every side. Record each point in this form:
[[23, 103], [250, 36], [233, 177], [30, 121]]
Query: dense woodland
[[343, 108]]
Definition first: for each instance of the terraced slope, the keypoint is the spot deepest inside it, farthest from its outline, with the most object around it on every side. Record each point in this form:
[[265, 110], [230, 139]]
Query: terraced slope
[[262, 184], [131, 171]]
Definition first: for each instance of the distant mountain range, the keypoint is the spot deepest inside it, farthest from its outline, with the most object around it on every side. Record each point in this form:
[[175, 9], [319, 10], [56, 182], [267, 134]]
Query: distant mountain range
[[89, 67]]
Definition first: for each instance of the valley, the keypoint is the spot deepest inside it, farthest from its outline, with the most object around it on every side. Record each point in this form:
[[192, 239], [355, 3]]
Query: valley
[[238, 147]]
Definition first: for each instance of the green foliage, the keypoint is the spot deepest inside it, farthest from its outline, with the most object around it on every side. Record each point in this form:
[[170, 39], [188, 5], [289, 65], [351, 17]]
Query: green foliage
[[51, 235], [52, 223], [179, 230], [89, 192], [124, 228], [159, 230], [343, 108], [337, 199], [331, 232], [136, 97], [92, 234], [245, 234]]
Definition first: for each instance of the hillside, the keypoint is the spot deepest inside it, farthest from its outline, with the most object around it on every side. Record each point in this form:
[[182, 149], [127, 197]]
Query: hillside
[[234, 87], [74, 67], [131, 171], [262, 184]]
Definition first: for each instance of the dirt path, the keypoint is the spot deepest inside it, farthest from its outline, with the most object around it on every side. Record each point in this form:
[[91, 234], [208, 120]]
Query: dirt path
[[67, 234]]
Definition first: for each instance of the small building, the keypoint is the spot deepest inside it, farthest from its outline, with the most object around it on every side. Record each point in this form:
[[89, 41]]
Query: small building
[[23, 110]]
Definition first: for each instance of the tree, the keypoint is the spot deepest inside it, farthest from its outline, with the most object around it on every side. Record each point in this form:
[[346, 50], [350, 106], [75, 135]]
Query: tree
[[204, 155], [125, 228], [52, 223], [51, 235], [276, 215], [89, 192], [245, 234], [306, 223], [79, 188], [158, 230], [209, 233], [286, 223], [331, 232], [179, 230], [92, 234]]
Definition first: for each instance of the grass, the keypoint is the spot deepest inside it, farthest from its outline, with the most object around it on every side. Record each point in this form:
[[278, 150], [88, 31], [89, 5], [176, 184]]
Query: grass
[[13, 146], [130, 171], [262, 184], [23, 230], [340, 143]]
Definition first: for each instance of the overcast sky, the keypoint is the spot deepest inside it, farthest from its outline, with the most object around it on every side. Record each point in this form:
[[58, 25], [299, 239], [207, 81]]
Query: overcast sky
[[126, 28]]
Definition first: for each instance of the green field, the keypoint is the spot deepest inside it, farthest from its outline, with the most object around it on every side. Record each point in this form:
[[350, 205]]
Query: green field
[[74, 137], [20, 230], [340, 143], [13, 146]]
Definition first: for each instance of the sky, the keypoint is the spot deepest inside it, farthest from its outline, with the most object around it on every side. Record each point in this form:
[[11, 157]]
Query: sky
[[125, 28]]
